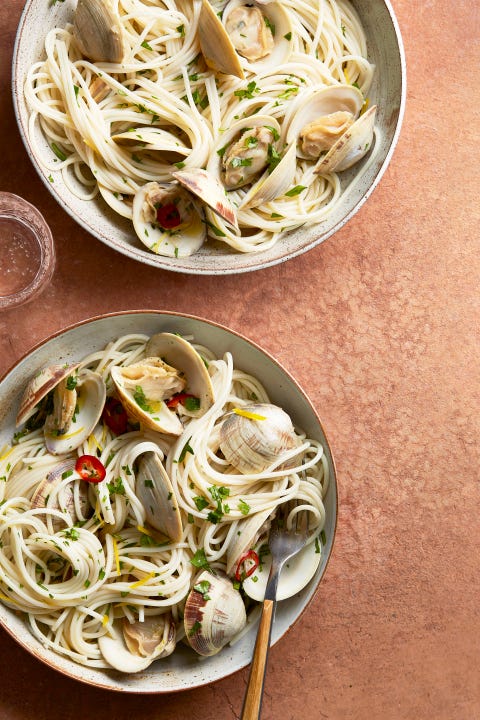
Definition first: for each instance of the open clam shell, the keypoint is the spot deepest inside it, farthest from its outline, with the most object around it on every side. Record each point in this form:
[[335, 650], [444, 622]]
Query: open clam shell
[[272, 185], [98, 31], [90, 400], [216, 45], [132, 647], [154, 489], [172, 366], [181, 354], [265, 185], [214, 613], [260, 32], [168, 220], [39, 387], [353, 145], [319, 103]]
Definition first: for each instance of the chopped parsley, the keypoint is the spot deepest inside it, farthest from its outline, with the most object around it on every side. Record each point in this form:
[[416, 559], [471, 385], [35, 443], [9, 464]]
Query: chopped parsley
[[186, 449], [243, 507], [295, 190], [203, 588], [199, 560], [140, 399]]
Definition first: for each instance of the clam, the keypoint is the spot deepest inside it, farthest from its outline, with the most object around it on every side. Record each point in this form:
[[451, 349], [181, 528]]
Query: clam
[[215, 43], [134, 646], [214, 613], [98, 31], [327, 126], [320, 108], [258, 436], [142, 138], [71, 410], [65, 500], [207, 187], [178, 352], [172, 366], [168, 220], [155, 491], [247, 536], [259, 32], [352, 146], [249, 149]]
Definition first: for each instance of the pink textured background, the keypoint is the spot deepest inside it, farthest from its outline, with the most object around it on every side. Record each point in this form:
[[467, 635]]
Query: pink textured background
[[380, 325]]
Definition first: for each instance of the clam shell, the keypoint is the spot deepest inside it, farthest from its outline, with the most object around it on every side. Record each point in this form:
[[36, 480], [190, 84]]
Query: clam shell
[[98, 31], [115, 647], [251, 445], [39, 386], [245, 538], [208, 188], [66, 503], [210, 623], [269, 185], [320, 102], [181, 242], [352, 146], [154, 489], [273, 185], [217, 48], [159, 417], [153, 638], [277, 17], [153, 139], [91, 395], [181, 354]]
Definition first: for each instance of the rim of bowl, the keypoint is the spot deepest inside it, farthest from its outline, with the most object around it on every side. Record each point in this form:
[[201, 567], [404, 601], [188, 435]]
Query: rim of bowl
[[195, 318], [244, 262]]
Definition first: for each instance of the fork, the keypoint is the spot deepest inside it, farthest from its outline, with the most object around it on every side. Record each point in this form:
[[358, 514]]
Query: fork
[[283, 544]]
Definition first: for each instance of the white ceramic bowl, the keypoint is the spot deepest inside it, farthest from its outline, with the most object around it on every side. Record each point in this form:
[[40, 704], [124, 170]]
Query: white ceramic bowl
[[385, 50], [182, 670]]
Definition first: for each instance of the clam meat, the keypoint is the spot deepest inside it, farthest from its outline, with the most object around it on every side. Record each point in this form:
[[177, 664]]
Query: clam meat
[[259, 32], [167, 219], [248, 156], [250, 34], [257, 437], [214, 613]]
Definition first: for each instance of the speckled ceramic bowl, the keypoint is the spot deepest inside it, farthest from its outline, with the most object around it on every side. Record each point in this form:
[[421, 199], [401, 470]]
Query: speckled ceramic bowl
[[385, 50], [183, 669]]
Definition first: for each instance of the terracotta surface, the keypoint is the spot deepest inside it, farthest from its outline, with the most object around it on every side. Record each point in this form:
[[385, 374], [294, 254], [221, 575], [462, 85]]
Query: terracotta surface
[[380, 324]]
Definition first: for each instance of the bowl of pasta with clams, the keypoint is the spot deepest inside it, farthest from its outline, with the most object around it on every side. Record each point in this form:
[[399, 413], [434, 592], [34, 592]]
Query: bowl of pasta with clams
[[209, 136], [143, 458]]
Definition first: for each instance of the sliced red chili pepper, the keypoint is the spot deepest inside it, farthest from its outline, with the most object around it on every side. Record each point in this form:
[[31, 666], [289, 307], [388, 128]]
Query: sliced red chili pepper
[[90, 468], [168, 216], [249, 557], [179, 398], [114, 416]]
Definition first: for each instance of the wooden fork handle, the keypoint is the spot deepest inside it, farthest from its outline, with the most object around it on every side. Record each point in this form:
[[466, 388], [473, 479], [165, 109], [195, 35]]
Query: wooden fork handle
[[253, 696]]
